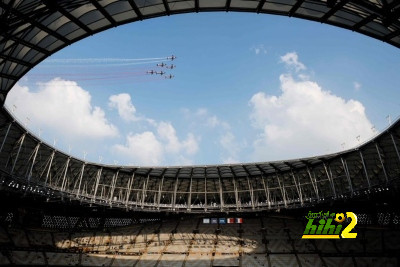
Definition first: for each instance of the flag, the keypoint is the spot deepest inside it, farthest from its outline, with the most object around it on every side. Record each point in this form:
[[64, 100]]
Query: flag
[[222, 220], [231, 220], [239, 220], [214, 220], [206, 220]]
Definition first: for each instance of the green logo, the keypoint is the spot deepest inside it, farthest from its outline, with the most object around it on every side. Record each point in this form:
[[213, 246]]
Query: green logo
[[320, 226]]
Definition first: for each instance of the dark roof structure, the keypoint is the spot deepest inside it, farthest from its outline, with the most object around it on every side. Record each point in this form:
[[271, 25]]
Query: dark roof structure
[[31, 30], [28, 164]]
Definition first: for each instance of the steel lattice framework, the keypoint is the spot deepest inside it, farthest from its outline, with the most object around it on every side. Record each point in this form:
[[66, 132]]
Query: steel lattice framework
[[31, 30], [33, 166]]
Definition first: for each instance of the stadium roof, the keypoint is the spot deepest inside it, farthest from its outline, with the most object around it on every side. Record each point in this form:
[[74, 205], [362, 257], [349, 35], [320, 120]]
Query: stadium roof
[[29, 164], [31, 30]]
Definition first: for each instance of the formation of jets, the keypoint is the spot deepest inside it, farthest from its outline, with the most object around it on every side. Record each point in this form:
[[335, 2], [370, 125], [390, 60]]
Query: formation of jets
[[171, 57], [163, 65], [155, 72]]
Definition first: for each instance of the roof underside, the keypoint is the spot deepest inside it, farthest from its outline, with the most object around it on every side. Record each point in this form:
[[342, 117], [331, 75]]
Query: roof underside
[[29, 166], [31, 30]]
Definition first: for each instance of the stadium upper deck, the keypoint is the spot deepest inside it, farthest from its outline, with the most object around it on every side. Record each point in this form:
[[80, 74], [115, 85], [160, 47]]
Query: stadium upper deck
[[29, 165]]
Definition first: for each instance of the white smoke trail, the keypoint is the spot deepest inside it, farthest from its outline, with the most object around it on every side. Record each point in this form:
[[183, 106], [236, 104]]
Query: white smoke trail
[[100, 65], [101, 60]]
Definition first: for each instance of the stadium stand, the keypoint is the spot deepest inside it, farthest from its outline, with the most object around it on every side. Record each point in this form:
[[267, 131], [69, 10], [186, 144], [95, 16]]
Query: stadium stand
[[186, 241], [57, 210]]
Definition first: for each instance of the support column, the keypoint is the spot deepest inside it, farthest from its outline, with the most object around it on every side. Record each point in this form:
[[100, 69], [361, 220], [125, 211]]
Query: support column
[[251, 192], [113, 182], [330, 178], [313, 182], [20, 141], [298, 188], [97, 183], [102, 194], [5, 137], [137, 200], [145, 189], [221, 198], [129, 189], [346, 171], [174, 196], [84, 189], [236, 193], [63, 184], [33, 162], [267, 194], [189, 207], [394, 143], [380, 159], [160, 192], [283, 192], [205, 192], [80, 179], [365, 169], [48, 170]]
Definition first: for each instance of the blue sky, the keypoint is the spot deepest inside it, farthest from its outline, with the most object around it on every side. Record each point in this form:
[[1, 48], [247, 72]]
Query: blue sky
[[246, 88]]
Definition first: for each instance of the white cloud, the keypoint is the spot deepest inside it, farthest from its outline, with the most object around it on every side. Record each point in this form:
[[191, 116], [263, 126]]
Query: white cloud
[[183, 161], [227, 140], [230, 160], [213, 121], [230, 147], [122, 102], [209, 124], [164, 140], [149, 148], [201, 112], [167, 134], [142, 149], [305, 120], [62, 106], [357, 86], [259, 49], [203, 117], [292, 61]]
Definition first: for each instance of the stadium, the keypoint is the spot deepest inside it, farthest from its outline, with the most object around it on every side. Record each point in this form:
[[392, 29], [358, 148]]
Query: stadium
[[58, 210]]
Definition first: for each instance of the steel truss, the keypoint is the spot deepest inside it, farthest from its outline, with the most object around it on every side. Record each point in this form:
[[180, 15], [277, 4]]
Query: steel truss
[[27, 161]]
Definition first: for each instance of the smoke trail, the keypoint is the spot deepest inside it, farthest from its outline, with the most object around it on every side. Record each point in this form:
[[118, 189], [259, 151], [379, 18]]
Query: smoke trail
[[100, 60]]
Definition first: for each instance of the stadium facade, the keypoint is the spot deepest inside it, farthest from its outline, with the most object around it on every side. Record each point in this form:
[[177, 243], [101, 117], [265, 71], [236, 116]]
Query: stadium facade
[[60, 210], [30, 163]]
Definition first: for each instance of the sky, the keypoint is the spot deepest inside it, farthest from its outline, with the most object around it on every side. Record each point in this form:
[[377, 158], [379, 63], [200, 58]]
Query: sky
[[246, 88]]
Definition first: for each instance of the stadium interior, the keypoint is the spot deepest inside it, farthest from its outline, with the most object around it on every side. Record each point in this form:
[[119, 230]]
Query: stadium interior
[[58, 210], [36, 232]]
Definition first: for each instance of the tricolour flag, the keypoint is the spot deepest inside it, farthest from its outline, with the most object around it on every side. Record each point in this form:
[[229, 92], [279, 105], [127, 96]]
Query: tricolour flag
[[239, 220], [230, 220]]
